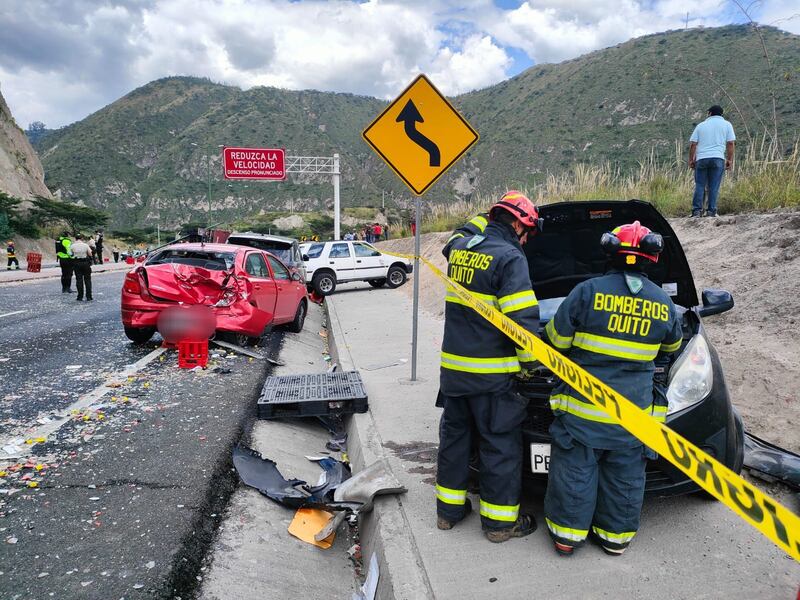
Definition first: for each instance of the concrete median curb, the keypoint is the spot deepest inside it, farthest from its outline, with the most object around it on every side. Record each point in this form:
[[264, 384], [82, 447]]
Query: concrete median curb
[[385, 530]]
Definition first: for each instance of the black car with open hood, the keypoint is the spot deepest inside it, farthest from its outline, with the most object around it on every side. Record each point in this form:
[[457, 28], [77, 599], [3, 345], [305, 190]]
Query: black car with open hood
[[566, 252]]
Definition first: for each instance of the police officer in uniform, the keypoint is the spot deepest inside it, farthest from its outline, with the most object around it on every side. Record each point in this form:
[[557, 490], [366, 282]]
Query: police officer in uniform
[[65, 262], [615, 327], [82, 258], [478, 363]]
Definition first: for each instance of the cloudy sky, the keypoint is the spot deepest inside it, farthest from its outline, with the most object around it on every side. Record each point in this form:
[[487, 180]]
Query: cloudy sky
[[61, 60]]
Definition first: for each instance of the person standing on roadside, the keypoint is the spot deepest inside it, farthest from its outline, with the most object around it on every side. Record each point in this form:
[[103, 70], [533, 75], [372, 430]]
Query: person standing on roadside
[[595, 486], [711, 150], [11, 252], [64, 259], [478, 364], [115, 253], [98, 247], [82, 261]]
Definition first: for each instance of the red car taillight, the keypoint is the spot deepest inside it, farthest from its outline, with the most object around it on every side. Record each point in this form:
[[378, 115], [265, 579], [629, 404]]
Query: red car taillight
[[131, 284]]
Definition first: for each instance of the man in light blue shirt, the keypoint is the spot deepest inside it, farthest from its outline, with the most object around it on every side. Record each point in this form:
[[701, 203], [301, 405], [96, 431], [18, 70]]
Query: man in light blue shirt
[[711, 149]]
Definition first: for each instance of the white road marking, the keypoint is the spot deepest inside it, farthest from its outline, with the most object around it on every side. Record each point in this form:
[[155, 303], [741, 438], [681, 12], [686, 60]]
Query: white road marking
[[85, 401], [16, 312]]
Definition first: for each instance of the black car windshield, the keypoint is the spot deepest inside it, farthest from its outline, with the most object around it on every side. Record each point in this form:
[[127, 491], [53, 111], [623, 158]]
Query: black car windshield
[[216, 261], [282, 250]]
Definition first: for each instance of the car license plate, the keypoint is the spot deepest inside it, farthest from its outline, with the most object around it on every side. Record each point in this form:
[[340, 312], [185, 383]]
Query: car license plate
[[540, 458]]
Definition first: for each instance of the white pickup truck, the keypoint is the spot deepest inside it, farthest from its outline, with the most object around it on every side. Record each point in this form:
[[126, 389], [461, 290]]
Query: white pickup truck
[[331, 263]]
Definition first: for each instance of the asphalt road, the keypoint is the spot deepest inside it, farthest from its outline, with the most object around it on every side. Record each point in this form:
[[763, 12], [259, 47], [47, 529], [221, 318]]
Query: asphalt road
[[57, 348], [130, 480]]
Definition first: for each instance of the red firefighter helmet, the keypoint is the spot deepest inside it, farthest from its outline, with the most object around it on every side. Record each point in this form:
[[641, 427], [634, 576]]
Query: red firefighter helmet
[[633, 239], [520, 206]]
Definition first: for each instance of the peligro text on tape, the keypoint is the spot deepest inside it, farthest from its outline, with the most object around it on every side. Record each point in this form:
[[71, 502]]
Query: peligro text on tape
[[768, 516]]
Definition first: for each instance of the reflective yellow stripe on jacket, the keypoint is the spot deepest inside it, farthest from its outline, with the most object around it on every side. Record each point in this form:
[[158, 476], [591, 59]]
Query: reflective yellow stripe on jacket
[[517, 301], [586, 410], [616, 347], [499, 512], [579, 408], [670, 348], [471, 364], [451, 296], [559, 341], [480, 222], [659, 413]]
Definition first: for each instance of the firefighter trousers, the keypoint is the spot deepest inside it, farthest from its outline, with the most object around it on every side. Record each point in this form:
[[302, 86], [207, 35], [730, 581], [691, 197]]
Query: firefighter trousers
[[495, 420], [593, 488]]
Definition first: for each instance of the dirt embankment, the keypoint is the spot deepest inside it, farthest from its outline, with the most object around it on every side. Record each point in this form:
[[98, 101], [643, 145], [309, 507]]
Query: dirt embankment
[[755, 257]]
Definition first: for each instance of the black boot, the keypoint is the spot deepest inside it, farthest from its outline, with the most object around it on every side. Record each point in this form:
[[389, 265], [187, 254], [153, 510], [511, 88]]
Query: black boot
[[524, 525]]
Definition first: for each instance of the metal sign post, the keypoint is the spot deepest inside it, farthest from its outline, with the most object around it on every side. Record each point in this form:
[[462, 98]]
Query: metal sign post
[[321, 164], [419, 135], [415, 318]]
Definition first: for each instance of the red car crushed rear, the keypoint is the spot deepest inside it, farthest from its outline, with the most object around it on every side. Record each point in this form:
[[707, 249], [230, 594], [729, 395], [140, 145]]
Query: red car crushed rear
[[247, 289]]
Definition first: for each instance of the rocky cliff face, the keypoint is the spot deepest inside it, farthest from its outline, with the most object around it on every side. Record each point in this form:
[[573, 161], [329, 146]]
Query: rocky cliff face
[[21, 173]]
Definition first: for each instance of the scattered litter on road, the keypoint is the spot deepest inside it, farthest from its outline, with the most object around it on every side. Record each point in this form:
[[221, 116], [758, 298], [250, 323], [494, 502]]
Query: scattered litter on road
[[12, 450], [277, 363], [263, 475], [239, 349], [73, 367], [370, 587], [378, 366], [771, 463], [335, 472], [308, 522], [377, 479], [330, 528]]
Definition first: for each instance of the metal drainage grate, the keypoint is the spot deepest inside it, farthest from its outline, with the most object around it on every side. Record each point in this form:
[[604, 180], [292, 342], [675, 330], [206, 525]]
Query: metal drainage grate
[[312, 395]]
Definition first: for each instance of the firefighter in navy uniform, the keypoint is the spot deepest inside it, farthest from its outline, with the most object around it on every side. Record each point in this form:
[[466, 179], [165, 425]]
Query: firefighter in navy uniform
[[615, 327], [478, 363]]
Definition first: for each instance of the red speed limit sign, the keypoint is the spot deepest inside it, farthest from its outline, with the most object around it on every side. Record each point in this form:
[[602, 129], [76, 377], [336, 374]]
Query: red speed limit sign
[[254, 163]]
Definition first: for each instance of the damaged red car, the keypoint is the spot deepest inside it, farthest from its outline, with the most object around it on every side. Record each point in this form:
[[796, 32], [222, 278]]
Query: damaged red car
[[248, 290]]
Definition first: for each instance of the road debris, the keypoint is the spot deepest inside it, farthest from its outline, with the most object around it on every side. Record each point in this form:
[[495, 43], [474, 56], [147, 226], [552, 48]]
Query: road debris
[[308, 522], [239, 349], [377, 479], [329, 531], [335, 472], [263, 475], [768, 462], [370, 587]]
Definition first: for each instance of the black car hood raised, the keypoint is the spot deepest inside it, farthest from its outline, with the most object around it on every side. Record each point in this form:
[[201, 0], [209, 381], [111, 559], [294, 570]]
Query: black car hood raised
[[567, 251]]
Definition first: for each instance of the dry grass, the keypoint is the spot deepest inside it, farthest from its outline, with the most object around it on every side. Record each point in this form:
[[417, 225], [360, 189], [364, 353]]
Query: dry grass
[[763, 178]]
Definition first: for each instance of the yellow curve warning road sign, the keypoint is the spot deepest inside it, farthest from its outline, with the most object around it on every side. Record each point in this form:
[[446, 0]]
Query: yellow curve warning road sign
[[420, 135], [772, 519]]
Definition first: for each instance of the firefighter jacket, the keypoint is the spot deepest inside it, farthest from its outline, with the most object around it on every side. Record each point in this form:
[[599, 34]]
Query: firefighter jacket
[[10, 251], [477, 358], [615, 327], [472, 227]]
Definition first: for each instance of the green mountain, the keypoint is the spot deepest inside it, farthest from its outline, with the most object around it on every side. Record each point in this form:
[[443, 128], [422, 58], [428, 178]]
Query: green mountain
[[149, 150]]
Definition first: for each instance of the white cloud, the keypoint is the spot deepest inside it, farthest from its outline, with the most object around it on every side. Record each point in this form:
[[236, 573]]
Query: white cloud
[[61, 60]]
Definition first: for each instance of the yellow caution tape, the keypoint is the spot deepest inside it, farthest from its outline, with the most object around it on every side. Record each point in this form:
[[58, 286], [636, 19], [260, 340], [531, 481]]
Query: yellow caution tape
[[772, 519]]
